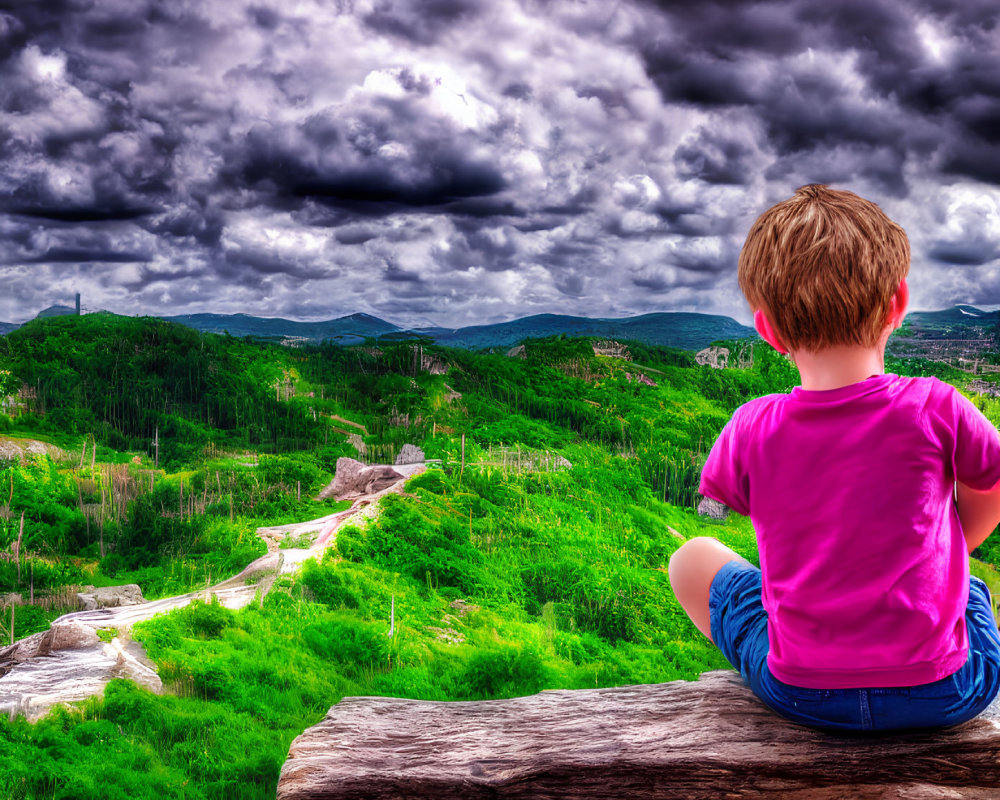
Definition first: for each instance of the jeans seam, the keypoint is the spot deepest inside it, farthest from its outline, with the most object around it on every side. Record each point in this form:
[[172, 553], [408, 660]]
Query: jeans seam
[[866, 710]]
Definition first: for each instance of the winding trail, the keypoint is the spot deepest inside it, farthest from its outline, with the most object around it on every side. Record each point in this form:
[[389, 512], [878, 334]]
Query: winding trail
[[69, 662]]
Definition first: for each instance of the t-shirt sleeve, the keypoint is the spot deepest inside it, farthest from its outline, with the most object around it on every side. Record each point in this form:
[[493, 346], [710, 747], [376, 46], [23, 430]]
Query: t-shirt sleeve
[[724, 476], [977, 446]]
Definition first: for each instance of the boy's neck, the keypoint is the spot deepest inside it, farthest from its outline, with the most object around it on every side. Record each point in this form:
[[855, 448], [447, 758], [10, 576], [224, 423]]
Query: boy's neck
[[841, 365]]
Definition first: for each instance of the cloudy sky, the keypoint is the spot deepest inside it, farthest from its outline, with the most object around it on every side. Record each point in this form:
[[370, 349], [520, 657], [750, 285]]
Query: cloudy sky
[[456, 162]]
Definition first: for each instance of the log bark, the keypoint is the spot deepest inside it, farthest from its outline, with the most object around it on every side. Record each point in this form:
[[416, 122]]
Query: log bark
[[687, 740]]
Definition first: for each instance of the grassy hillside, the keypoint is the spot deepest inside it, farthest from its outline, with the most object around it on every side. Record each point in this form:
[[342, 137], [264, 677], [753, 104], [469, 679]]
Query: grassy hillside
[[531, 556]]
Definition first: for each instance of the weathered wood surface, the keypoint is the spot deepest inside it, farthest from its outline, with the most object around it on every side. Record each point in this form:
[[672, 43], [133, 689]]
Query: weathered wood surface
[[701, 740]]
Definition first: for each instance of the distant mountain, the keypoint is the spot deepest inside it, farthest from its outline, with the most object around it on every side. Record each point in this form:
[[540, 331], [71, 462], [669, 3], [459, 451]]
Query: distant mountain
[[677, 329], [345, 330], [688, 331], [957, 322], [685, 330], [56, 311]]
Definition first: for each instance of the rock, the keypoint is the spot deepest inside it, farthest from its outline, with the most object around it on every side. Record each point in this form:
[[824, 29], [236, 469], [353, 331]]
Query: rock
[[67, 636], [612, 349], [110, 596], [713, 509], [645, 380], [720, 357], [66, 664], [409, 454], [984, 387], [519, 351], [715, 357], [359, 443], [691, 740], [353, 479]]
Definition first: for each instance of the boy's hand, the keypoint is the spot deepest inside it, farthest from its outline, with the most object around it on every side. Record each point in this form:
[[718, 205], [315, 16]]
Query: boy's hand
[[979, 513]]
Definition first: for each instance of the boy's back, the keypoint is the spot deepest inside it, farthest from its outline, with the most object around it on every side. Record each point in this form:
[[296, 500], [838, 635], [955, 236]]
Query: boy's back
[[863, 615], [850, 492]]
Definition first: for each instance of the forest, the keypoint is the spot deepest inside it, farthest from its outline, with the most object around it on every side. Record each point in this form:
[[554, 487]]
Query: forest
[[530, 555]]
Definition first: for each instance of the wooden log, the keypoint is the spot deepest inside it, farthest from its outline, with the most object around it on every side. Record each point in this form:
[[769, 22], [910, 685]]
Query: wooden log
[[687, 740]]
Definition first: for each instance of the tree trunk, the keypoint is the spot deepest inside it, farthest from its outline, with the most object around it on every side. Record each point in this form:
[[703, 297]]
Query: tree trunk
[[689, 740]]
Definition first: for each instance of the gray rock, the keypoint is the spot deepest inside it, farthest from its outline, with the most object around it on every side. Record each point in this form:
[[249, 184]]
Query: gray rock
[[715, 357], [359, 443], [410, 454], [712, 509], [353, 479], [110, 596]]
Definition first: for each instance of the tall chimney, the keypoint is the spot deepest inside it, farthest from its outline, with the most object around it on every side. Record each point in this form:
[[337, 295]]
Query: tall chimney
[[78, 304]]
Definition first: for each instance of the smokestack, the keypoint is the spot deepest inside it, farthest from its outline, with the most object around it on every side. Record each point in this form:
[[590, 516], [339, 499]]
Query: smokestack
[[78, 304]]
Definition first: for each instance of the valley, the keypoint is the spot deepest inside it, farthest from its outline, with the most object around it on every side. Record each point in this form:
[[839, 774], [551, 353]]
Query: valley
[[525, 550]]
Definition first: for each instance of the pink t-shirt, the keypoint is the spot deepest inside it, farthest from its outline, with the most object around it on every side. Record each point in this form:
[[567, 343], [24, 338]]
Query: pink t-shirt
[[865, 570]]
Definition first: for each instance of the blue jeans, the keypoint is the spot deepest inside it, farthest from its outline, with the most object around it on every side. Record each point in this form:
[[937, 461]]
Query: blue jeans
[[739, 629]]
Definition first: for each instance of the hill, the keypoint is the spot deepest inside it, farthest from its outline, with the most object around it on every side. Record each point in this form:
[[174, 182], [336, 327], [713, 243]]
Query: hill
[[685, 330], [352, 329], [529, 555], [958, 322]]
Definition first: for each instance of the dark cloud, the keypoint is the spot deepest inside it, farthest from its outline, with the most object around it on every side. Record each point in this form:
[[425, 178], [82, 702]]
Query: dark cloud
[[343, 163], [715, 158], [73, 255], [355, 235], [419, 23]]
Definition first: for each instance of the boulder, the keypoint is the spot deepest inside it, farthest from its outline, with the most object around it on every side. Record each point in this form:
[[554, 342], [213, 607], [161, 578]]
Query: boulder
[[715, 357], [69, 635], [354, 479], [685, 740], [409, 454], [712, 509], [110, 596]]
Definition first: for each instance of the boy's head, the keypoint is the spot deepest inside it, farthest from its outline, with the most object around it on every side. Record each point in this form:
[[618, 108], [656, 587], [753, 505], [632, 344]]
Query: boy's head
[[823, 266]]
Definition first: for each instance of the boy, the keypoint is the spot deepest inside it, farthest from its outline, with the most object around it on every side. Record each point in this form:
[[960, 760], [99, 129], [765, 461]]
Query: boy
[[863, 615]]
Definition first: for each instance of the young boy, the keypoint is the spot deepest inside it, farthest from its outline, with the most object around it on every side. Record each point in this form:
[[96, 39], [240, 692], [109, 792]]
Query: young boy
[[863, 615]]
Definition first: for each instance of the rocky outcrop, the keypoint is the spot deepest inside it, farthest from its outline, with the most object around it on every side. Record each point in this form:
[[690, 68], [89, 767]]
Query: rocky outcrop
[[712, 509], [66, 663], [408, 454], [353, 479], [639, 377], [984, 387], [110, 596], [12, 449], [690, 740], [721, 357], [715, 357], [358, 443], [518, 351], [612, 349], [70, 661]]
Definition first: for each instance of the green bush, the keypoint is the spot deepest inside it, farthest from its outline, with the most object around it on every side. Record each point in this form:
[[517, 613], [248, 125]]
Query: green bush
[[348, 641], [206, 619], [506, 671]]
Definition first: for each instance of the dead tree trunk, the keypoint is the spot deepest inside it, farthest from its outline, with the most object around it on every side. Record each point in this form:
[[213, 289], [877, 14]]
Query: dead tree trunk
[[695, 740]]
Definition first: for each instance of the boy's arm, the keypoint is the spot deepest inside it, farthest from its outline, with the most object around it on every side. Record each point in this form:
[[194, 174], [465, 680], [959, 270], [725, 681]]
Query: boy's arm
[[979, 513]]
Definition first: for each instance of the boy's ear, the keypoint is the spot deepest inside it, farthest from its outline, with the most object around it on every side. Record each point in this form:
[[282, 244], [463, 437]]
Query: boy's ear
[[897, 306], [767, 333]]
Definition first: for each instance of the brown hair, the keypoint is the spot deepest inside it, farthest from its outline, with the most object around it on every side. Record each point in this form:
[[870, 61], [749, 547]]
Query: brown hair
[[824, 265]]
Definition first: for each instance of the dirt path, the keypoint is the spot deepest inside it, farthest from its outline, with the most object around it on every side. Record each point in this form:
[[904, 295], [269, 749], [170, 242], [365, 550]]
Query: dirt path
[[69, 662]]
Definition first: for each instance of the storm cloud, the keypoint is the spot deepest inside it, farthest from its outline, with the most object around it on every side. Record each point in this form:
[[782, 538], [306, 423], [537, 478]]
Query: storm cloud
[[461, 161]]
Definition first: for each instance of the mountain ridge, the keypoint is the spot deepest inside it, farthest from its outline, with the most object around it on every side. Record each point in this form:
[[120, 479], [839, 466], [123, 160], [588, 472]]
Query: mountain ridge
[[687, 330]]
